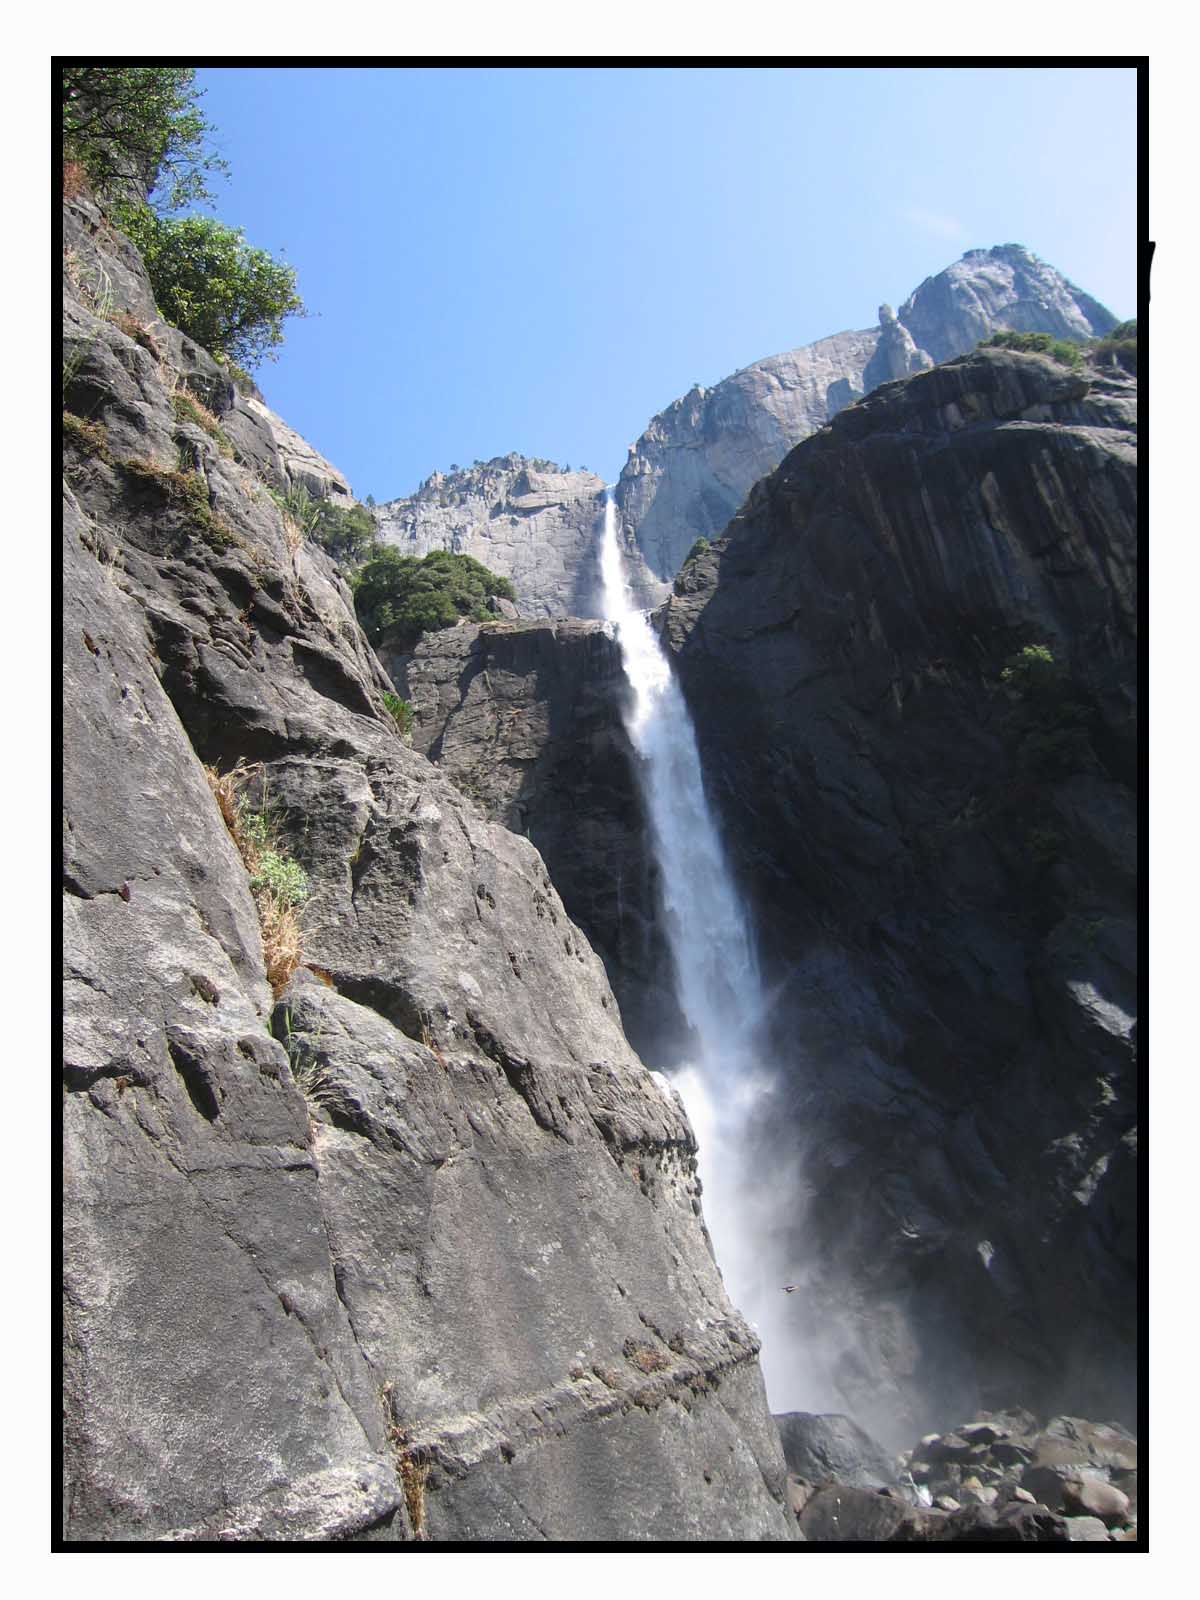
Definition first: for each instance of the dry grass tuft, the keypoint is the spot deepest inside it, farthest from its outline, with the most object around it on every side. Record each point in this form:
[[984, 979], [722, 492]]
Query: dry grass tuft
[[411, 1467], [74, 180], [277, 883], [188, 408], [293, 533], [137, 331]]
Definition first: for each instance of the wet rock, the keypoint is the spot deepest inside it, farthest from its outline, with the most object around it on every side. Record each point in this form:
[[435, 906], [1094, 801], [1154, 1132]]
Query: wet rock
[[823, 1447], [875, 586], [838, 1514]]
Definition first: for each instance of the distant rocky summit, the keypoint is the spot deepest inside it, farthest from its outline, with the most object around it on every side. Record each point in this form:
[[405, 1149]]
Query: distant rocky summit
[[697, 460]]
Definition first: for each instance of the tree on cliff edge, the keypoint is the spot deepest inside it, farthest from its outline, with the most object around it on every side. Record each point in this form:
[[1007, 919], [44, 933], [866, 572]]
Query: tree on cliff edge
[[138, 129]]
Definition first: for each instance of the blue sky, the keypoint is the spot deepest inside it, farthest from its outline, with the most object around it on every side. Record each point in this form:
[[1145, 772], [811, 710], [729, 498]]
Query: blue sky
[[538, 259]]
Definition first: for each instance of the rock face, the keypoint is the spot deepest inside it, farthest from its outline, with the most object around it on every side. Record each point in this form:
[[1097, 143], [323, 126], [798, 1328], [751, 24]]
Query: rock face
[[944, 866], [105, 292], [527, 719], [411, 1248], [693, 467], [525, 520], [1005, 287]]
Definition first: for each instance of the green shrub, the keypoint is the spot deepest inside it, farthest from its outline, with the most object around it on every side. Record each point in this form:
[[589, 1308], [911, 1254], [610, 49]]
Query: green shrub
[[1064, 351], [228, 296], [414, 596], [1054, 722], [698, 549], [401, 710], [347, 532], [1118, 348], [1056, 752], [135, 129], [1031, 669]]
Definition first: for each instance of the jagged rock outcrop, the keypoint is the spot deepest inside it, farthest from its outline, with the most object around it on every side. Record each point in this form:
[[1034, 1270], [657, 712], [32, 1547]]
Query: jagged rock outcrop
[[525, 520], [944, 868], [1004, 287], [412, 1248], [697, 460]]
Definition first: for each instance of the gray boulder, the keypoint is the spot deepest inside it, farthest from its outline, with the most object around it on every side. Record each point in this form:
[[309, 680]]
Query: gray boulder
[[823, 1447]]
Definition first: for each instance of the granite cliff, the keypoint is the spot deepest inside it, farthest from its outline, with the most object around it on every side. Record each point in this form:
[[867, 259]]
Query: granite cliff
[[390, 1235], [911, 664], [914, 663]]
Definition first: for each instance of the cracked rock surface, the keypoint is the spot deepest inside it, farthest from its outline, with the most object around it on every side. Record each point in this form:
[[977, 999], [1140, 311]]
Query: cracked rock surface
[[412, 1249]]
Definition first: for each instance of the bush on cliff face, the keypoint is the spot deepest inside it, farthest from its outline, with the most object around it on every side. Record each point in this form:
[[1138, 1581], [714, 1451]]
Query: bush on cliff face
[[1118, 348], [1054, 725], [1064, 351], [417, 596], [228, 296], [348, 533]]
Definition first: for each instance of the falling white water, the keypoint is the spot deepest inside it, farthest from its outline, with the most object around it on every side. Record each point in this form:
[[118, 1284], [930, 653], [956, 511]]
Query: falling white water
[[717, 980]]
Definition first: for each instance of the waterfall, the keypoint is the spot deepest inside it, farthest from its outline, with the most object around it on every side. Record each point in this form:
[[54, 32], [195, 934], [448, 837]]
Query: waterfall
[[717, 981]]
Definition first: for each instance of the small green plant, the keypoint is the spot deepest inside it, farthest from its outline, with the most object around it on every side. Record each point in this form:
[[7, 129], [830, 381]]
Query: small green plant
[[1032, 668], [401, 710], [346, 532], [698, 549]]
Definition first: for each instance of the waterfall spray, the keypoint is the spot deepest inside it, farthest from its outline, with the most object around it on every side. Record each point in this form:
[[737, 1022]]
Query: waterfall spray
[[717, 980]]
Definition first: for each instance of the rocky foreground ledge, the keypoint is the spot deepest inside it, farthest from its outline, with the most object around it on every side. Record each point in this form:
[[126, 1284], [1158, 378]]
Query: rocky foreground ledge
[[1003, 1478]]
